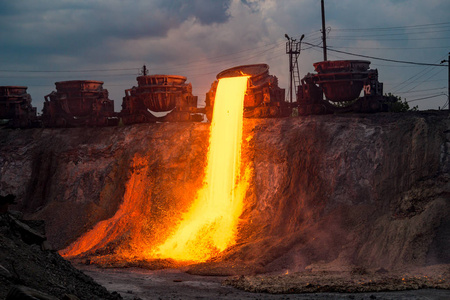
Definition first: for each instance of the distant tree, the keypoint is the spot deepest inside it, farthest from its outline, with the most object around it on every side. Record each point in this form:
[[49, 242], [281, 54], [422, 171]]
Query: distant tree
[[397, 105]]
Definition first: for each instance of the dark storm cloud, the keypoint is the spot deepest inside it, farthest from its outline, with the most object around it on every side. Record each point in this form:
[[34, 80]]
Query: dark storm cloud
[[199, 38], [253, 5], [116, 17], [154, 18], [206, 11], [36, 29]]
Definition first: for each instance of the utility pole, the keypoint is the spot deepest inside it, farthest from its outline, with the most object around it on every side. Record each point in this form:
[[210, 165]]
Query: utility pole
[[448, 83], [448, 78], [324, 35], [293, 49]]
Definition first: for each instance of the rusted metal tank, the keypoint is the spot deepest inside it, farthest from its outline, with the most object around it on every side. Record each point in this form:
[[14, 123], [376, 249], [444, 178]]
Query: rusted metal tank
[[263, 98], [156, 94], [78, 103], [15, 106], [341, 82]]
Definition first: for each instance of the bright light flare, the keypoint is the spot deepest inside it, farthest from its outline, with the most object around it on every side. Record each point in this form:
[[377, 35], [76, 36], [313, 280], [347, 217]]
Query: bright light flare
[[211, 223]]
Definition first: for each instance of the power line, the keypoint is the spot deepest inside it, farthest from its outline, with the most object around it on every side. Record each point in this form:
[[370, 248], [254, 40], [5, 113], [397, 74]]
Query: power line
[[431, 76], [216, 59], [203, 63], [394, 65], [418, 75], [429, 97], [67, 71], [393, 39], [52, 77], [388, 34], [379, 58], [424, 90], [230, 56], [395, 27], [393, 82], [391, 48], [409, 81], [445, 104]]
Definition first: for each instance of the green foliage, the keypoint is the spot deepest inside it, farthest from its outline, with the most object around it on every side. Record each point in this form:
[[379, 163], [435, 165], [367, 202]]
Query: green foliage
[[397, 105]]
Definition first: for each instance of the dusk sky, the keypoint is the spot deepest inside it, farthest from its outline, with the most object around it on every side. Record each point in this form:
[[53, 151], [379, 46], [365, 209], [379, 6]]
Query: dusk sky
[[110, 40]]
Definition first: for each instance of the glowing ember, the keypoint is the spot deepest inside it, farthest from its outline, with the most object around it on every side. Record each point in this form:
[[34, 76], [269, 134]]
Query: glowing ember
[[210, 225]]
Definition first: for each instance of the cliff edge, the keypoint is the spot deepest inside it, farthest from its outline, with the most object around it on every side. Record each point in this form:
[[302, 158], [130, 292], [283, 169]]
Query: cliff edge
[[336, 190]]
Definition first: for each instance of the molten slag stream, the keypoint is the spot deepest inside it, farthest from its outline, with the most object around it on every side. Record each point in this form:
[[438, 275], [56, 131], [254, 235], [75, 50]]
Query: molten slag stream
[[211, 223]]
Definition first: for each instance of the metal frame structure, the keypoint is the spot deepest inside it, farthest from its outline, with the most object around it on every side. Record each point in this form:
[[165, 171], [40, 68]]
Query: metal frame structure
[[293, 48]]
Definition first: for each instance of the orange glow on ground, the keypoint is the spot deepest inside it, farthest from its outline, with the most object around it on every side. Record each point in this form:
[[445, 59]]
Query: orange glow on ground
[[127, 221], [211, 223]]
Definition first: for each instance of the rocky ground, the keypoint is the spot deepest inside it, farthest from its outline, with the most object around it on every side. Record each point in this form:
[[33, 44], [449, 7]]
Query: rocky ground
[[357, 280], [44, 273], [51, 276], [133, 283]]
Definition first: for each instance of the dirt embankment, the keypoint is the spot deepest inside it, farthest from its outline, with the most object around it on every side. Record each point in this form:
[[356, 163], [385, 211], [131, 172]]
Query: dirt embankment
[[368, 191], [354, 280], [28, 269]]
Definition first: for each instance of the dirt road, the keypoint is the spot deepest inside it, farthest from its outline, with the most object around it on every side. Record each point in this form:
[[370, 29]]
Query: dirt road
[[135, 284]]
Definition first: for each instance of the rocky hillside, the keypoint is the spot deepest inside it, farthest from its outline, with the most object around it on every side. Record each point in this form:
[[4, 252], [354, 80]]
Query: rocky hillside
[[30, 271], [363, 190]]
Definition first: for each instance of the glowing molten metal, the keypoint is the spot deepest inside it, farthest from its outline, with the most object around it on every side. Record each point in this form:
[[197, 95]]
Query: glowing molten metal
[[211, 223]]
